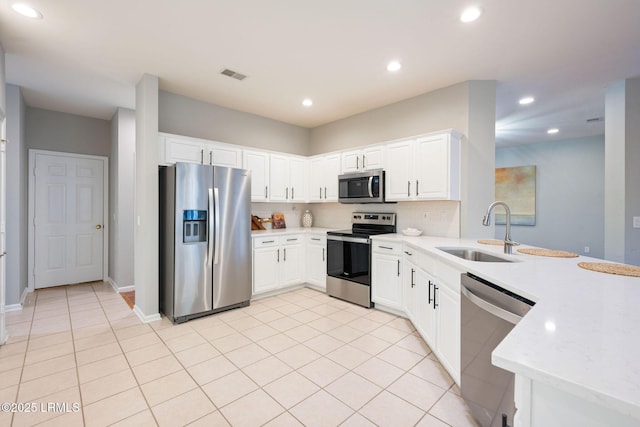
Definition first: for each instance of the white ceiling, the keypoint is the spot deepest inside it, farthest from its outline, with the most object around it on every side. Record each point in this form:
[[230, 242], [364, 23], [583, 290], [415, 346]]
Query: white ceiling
[[86, 56]]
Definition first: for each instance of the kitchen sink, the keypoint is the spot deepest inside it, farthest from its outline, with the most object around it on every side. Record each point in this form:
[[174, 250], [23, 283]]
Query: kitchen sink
[[471, 254]]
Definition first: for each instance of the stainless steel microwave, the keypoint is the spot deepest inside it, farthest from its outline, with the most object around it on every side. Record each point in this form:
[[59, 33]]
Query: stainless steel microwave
[[361, 187]]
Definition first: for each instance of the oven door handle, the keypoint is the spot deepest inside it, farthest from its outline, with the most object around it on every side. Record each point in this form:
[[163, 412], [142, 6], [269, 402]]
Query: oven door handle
[[496, 311], [350, 239], [371, 186]]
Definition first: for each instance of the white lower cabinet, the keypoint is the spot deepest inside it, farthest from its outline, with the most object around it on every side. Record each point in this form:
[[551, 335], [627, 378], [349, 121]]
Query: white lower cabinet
[[432, 302], [316, 252], [386, 274], [277, 262]]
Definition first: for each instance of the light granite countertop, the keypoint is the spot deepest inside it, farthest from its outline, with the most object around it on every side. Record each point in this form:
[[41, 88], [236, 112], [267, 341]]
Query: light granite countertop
[[583, 334]]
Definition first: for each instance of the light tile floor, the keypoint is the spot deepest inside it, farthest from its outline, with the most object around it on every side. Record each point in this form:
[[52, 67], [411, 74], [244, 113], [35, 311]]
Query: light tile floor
[[299, 358]]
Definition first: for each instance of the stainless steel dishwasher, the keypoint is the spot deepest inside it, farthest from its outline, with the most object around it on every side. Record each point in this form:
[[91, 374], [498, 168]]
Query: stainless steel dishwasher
[[488, 313]]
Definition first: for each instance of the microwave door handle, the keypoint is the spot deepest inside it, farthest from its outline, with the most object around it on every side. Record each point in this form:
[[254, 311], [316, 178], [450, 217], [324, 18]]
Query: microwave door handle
[[371, 186]]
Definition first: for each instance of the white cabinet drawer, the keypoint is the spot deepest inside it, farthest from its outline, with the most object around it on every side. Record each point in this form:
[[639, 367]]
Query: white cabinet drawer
[[390, 248], [317, 239], [265, 242], [292, 240]]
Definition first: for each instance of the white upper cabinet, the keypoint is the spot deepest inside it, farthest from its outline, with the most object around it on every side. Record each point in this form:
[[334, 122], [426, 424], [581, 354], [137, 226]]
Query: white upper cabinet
[[424, 168], [174, 148], [363, 159], [287, 178], [323, 183], [258, 163]]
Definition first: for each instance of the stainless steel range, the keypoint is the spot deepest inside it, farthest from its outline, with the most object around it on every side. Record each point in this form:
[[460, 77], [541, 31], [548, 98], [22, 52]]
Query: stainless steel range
[[349, 256]]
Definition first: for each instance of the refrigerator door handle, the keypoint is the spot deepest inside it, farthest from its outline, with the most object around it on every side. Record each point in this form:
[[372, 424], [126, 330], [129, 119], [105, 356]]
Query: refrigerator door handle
[[216, 221], [211, 219]]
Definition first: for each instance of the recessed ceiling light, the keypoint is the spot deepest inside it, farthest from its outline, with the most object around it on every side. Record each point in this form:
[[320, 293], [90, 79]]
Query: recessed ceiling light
[[470, 14], [394, 66], [553, 130], [26, 10], [526, 100], [307, 102]]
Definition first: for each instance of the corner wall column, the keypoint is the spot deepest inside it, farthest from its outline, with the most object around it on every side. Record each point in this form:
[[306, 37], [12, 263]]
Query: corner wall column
[[146, 205], [622, 171]]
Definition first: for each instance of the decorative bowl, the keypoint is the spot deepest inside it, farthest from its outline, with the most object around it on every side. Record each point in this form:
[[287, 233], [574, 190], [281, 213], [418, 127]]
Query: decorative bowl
[[411, 232]]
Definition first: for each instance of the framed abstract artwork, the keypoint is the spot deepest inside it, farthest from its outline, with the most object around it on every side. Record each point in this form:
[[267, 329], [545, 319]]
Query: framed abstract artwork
[[516, 186]]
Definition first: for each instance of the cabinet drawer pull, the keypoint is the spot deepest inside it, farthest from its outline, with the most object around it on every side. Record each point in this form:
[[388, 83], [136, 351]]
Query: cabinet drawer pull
[[267, 241], [316, 239], [295, 239], [385, 247]]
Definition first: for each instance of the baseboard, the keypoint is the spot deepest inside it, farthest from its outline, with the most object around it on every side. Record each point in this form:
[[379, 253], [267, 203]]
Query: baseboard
[[143, 317], [119, 289], [16, 307]]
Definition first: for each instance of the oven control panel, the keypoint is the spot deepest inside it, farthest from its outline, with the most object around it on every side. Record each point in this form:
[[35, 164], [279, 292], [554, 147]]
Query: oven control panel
[[377, 218]]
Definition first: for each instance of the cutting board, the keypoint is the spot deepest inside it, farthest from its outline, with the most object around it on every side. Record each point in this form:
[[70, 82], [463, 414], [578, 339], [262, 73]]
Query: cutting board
[[256, 224]]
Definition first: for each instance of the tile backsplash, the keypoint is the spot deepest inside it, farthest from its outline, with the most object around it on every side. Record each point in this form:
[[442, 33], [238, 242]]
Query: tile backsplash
[[435, 218]]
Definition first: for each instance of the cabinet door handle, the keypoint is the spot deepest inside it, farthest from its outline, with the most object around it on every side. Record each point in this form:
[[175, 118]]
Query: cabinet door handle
[[202, 156], [320, 193], [211, 157], [363, 161], [412, 273], [279, 261], [408, 188], [322, 254], [357, 163], [287, 193], [292, 193], [325, 193], [266, 193], [284, 258], [408, 253], [398, 268], [417, 187], [435, 291], [429, 293]]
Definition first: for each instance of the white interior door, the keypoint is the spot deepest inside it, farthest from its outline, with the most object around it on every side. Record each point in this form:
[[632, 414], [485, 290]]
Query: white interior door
[[3, 199], [68, 219]]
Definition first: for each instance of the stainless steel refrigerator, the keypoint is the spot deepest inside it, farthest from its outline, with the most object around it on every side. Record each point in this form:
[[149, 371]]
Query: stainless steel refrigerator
[[205, 240]]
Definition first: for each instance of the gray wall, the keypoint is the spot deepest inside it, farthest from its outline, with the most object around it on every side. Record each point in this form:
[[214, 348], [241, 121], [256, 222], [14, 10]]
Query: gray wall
[[121, 197], [468, 107], [569, 194], [433, 111], [186, 116], [16, 259], [69, 133]]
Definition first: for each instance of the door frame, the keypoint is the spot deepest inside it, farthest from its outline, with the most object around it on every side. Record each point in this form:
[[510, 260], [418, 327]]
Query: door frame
[[31, 226]]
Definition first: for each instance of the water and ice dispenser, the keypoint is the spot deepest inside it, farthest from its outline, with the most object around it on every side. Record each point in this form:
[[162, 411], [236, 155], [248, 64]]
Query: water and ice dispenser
[[194, 226]]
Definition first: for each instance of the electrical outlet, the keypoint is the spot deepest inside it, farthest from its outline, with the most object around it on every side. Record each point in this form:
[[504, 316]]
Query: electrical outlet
[[587, 249], [636, 222]]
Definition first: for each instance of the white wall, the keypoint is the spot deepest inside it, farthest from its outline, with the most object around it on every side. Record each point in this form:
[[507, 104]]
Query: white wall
[[569, 194], [121, 196], [69, 133], [16, 259], [180, 115]]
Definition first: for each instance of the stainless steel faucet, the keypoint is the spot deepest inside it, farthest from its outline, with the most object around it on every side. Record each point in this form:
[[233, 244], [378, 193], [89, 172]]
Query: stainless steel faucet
[[508, 243]]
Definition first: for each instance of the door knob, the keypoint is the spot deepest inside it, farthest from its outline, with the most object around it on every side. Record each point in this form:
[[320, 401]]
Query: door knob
[[98, 227]]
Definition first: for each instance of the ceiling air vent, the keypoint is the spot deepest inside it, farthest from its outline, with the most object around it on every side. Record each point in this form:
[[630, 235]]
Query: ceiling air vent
[[233, 74], [595, 119]]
